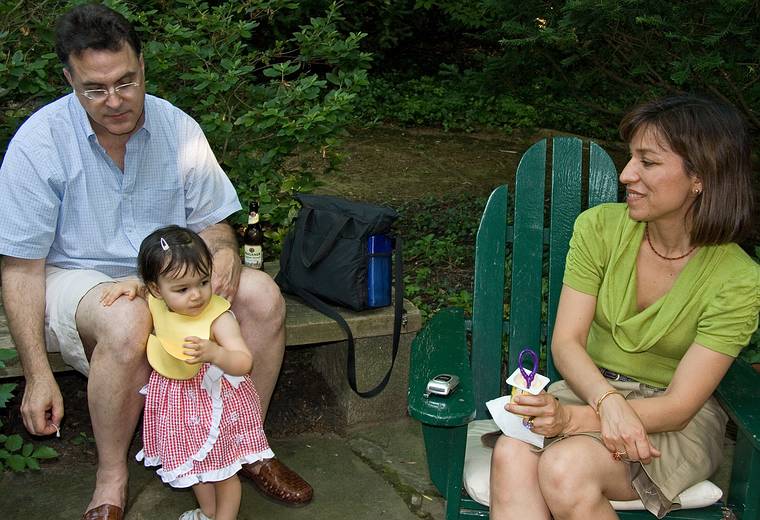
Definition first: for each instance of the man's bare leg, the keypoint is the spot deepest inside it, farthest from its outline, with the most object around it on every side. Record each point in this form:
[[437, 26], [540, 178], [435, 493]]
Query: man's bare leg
[[260, 310], [114, 339]]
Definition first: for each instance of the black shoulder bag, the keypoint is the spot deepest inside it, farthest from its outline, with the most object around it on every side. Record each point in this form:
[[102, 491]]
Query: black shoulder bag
[[325, 261]]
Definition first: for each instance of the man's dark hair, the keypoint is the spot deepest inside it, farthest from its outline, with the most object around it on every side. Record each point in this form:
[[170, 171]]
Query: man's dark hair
[[93, 26]]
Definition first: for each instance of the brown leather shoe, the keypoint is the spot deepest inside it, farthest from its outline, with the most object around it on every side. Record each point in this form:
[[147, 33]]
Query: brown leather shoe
[[104, 512], [277, 481]]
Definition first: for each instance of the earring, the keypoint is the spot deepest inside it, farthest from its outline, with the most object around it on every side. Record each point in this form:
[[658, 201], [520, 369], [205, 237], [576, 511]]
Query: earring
[[697, 191]]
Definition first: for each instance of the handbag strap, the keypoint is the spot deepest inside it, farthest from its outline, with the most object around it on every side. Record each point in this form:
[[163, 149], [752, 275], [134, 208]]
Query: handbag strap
[[329, 311], [326, 245]]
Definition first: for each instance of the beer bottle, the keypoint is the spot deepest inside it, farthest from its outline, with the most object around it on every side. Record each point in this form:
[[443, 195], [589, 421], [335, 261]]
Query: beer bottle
[[253, 240]]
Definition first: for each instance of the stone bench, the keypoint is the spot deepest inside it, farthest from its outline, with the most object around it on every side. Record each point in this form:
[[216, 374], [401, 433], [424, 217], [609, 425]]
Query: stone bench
[[307, 329]]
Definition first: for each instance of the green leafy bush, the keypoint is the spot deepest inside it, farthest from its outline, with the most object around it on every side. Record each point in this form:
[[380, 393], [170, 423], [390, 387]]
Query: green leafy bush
[[27, 63], [266, 94], [751, 353], [6, 389], [263, 101], [453, 100], [439, 245], [15, 454], [590, 60]]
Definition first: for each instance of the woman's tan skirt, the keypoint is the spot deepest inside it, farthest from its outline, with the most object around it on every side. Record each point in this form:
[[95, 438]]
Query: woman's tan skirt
[[688, 456]]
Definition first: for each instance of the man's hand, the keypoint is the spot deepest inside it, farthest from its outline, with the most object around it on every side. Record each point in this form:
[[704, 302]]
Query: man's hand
[[223, 245], [42, 405], [226, 274]]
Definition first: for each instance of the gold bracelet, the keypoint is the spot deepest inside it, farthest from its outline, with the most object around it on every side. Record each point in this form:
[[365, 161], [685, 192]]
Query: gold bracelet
[[604, 396]]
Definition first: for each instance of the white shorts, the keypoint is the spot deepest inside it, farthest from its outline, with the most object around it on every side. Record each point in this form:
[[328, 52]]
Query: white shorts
[[65, 288]]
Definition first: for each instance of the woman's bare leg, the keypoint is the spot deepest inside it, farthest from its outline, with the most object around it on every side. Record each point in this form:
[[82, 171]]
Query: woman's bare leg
[[515, 492], [578, 477]]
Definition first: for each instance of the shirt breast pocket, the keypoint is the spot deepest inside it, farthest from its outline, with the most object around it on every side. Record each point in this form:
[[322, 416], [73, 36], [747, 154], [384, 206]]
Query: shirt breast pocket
[[158, 207]]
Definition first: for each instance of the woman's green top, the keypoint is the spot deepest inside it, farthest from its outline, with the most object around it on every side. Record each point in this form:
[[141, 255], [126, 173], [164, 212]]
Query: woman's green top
[[714, 301]]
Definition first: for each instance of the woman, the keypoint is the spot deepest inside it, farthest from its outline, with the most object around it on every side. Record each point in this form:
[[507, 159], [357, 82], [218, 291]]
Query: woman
[[657, 301]]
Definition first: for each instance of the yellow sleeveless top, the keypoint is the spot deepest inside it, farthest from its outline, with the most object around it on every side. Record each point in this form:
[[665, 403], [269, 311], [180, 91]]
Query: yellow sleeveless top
[[170, 330]]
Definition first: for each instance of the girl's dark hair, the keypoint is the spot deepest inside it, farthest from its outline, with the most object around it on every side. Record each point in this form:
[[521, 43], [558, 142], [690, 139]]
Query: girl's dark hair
[[93, 26], [185, 252], [712, 140]]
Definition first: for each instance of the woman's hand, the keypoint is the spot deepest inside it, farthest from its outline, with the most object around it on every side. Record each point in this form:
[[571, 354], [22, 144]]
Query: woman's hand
[[623, 432], [201, 350], [550, 418]]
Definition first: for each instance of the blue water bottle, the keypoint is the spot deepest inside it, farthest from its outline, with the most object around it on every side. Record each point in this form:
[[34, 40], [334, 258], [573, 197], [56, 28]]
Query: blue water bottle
[[379, 248]]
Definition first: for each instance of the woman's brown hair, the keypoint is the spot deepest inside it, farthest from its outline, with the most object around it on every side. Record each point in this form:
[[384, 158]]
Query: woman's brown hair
[[712, 139]]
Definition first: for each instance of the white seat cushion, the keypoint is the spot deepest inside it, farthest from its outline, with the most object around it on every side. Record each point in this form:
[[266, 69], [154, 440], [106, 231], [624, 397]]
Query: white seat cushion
[[477, 474]]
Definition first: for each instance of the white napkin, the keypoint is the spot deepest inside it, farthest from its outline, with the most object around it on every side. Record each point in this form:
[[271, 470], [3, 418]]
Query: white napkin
[[511, 425]]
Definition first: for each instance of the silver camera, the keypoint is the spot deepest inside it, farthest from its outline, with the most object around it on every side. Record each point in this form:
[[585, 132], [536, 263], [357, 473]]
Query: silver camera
[[442, 384]]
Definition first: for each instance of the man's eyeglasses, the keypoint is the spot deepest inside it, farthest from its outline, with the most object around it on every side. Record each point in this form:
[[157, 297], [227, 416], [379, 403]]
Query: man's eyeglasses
[[101, 94]]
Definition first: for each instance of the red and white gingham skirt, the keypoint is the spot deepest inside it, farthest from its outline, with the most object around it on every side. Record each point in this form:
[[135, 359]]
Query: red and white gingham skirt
[[199, 434]]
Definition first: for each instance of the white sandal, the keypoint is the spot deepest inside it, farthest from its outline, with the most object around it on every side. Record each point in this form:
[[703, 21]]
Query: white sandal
[[195, 514]]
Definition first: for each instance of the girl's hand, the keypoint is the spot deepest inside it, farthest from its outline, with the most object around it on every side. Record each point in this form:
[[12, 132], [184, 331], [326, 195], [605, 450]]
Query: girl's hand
[[550, 418], [200, 350], [623, 433], [112, 292]]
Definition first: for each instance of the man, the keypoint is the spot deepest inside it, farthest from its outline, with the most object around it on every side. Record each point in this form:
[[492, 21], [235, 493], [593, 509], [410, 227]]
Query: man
[[84, 180]]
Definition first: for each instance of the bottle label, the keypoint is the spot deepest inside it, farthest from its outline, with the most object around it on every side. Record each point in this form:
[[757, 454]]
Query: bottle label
[[253, 256], [253, 218]]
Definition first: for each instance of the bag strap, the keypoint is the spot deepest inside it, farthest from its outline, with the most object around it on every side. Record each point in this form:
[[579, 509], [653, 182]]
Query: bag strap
[[328, 243], [329, 311]]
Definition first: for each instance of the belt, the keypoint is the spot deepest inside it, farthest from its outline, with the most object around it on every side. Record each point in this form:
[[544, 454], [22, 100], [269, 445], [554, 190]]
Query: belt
[[609, 374]]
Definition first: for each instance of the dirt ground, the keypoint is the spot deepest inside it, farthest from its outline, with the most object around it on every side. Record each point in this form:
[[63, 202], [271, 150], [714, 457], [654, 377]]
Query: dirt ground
[[392, 165]]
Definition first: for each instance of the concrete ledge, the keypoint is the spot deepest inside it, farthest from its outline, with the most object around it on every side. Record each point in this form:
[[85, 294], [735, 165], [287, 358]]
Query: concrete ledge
[[373, 358], [306, 326]]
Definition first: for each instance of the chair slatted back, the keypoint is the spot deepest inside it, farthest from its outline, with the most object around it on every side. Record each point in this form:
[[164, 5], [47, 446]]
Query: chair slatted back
[[532, 303]]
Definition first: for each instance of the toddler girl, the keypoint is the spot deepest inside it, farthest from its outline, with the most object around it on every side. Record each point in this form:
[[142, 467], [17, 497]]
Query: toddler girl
[[202, 414]]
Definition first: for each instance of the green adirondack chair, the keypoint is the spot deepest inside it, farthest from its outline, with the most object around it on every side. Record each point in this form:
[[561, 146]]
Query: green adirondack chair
[[472, 349]]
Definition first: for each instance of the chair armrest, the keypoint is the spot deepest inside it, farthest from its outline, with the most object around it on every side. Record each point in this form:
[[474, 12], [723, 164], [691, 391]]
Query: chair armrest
[[441, 348], [739, 393]]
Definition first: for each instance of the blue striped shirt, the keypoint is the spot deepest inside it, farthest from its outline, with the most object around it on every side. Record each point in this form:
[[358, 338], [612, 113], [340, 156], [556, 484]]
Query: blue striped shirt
[[62, 197]]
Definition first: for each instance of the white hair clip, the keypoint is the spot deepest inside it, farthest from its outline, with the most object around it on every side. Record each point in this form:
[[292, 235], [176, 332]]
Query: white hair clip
[[164, 244]]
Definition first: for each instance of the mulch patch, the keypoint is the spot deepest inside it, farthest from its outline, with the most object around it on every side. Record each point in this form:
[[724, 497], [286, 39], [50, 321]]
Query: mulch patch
[[302, 400]]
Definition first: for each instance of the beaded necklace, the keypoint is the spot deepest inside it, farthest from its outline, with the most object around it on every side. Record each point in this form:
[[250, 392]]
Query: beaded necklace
[[646, 233]]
